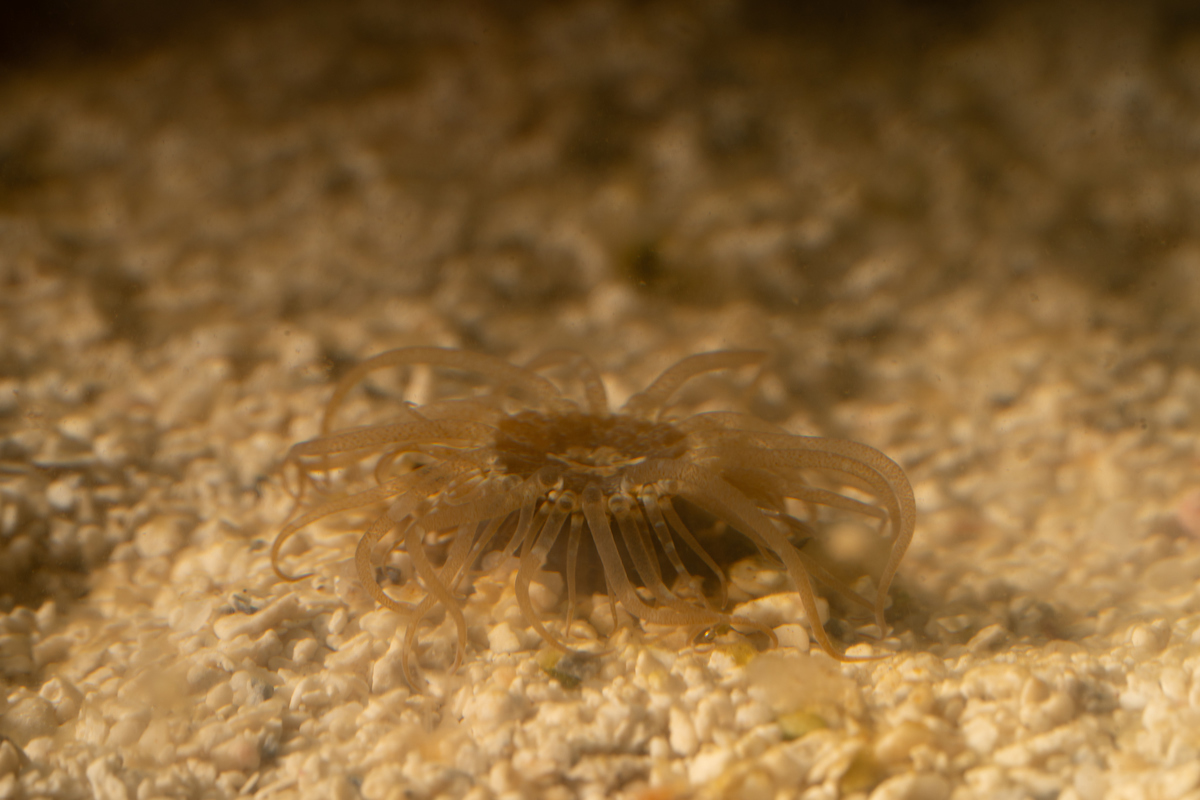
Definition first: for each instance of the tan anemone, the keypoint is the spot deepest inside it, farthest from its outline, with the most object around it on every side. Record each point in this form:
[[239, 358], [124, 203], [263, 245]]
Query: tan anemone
[[516, 468]]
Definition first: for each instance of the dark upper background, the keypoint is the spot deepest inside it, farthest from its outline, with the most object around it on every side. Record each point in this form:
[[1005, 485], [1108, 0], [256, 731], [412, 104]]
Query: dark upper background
[[789, 154]]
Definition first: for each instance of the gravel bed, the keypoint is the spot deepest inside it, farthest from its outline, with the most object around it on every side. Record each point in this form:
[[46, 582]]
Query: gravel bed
[[967, 238]]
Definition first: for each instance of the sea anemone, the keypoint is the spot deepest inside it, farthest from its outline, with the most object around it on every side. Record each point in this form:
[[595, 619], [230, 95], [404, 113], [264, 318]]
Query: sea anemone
[[518, 466]]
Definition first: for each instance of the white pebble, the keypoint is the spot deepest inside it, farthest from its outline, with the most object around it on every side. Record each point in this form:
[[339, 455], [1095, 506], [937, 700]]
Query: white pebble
[[240, 753], [191, 616], [658, 748], [924, 786], [1149, 640], [752, 714], [780, 609], [491, 707], [27, 719], [52, 649], [755, 578], [709, 764], [79, 427], [1091, 782], [714, 711], [503, 639], [16, 654], [64, 696], [161, 536], [387, 672], [1174, 683], [987, 639], [202, 677], [305, 650], [47, 616], [219, 696], [980, 734], [191, 399], [10, 760], [682, 733], [113, 449], [794, 635], [382, 623], [338, 621], [1178, 781], [128, 729], [104, 782], [342, 721], [91, 729], [254, 625], [897, 744], [259, 650], [1042, 708], [61, 495]]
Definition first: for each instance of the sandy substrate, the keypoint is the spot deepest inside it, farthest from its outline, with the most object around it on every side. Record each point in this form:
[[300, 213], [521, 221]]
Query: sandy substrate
[[968, 240]]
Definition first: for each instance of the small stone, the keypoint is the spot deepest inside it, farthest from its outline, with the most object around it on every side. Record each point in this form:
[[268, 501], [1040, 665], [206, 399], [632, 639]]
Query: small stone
[[923, 786], [305, 650], [980, 734], [27, 719], [794, 635], [62, 496], [342, 721], [1174, 684], [659, 749], [1178, 781], [780, 609], [708, 764], [11, 760], [104, 782], [1042, 708], [239, 753], [128, 729], [219, 696], [492, 707], [387, 672], [382, 623], [752, 714], [755, 578], [79, 427], [1149, 640], [503, 639], [338, 621], [254, 625], [50, 650], [64, 696], [714, 712], [16, 654], [897, 744], [191, 616], [682, 733], [796, 724], [47, 616], [202, 677], [754, 784], [1091, 782], [113, 449], [161, 536], [987, 639]]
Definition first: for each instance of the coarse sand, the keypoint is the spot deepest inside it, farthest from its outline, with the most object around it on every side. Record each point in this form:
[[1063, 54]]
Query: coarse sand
[[967, 236]]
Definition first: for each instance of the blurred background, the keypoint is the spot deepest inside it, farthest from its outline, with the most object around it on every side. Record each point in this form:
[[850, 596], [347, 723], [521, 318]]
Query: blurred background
[[513, 156]]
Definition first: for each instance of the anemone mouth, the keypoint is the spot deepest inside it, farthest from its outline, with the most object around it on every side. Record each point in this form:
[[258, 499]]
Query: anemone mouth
[[581, 448]]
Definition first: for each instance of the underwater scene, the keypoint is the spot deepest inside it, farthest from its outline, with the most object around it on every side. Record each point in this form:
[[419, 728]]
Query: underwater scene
[[600, 399]]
